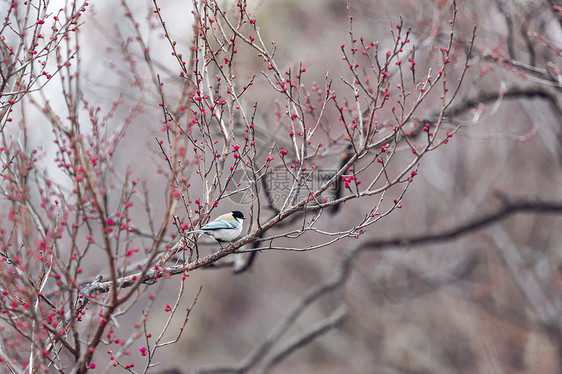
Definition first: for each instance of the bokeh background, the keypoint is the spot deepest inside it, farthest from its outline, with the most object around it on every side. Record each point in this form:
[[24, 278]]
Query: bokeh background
[[488, 301]]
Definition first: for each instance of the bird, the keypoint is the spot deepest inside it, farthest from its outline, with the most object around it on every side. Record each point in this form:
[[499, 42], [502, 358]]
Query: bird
[[224, 228]]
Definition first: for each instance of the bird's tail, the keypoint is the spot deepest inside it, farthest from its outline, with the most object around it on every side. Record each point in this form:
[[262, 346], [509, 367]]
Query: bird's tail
[[191, 232]]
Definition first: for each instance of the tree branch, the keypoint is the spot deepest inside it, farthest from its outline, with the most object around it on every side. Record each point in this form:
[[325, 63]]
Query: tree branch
[[507, 208]]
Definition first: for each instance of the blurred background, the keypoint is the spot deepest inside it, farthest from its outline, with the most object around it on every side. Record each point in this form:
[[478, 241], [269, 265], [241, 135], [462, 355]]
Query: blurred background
[[487, 301]]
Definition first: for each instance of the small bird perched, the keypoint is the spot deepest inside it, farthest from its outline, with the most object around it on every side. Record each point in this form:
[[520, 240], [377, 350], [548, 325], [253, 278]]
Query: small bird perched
[[225, 228]]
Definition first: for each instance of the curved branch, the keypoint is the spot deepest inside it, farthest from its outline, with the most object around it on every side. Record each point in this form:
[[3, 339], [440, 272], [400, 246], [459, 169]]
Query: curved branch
[[514, 92], [508, 208]]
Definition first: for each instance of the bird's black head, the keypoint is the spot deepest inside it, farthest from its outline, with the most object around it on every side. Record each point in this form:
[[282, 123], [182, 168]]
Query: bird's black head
[[237, 214]]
